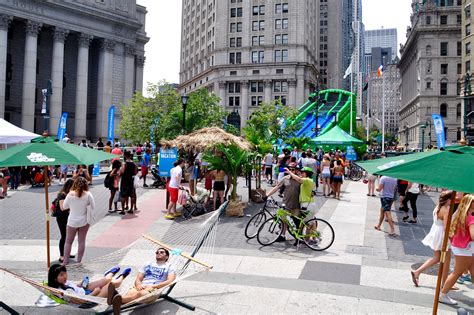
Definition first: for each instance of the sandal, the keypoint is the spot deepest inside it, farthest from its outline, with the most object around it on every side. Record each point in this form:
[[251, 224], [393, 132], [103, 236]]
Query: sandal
[[377, 228], [414, 279]]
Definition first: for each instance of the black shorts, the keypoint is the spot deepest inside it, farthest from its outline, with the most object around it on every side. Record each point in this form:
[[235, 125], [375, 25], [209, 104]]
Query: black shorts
[[337, 179], [219, 186], [268, 170], [402, 188], [127, 191]]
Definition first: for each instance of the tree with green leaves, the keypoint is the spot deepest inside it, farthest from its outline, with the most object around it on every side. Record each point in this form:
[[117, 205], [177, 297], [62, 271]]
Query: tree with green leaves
[[160, 115], [267, 123]]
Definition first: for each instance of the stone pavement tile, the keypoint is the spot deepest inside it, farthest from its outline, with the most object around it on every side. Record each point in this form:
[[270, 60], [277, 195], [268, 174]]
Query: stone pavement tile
[[256, 298], [415, 247], [333, 255], [382, 307], [283, 268], [331, 272], [318, 303]]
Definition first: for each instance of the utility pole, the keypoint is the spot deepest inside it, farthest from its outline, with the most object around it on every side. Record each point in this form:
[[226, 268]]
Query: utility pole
[[45, 106]]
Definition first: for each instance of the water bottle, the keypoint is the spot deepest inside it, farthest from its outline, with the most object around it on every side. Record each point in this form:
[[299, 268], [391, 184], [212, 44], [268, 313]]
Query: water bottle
[[85, 282]]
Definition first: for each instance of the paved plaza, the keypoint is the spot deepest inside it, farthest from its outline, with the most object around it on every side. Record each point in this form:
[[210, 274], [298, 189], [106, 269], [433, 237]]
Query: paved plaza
[[364, 272]]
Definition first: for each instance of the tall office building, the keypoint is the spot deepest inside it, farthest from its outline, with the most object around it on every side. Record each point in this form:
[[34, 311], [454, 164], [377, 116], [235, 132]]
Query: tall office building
[[336, 42], [92, 51], [385, 38], [430, 65], [250, 51], [466, 81], [358, 58]]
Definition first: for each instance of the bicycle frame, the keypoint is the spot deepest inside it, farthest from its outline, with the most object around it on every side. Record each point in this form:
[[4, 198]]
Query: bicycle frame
[[285, 216]]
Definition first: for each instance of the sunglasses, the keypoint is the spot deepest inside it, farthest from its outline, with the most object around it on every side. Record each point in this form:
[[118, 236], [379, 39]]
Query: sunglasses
[[161, 252]]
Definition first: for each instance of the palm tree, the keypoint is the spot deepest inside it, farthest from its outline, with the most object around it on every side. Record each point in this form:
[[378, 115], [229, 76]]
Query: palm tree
[[231, 161]]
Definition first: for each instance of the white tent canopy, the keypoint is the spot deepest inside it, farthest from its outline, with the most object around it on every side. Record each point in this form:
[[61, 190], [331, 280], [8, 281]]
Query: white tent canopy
[[10, 133]]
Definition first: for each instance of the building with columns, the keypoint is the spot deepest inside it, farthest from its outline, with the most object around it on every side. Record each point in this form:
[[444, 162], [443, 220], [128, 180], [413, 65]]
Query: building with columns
[[247, 52], [91, 50], [430, 65]]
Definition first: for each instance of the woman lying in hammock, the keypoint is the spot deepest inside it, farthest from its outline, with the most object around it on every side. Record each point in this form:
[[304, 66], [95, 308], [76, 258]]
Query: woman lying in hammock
[[57, 278], [151, 277]]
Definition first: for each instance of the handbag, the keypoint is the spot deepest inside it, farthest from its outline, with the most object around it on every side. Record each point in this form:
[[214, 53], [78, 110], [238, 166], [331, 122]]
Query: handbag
[[91, 216], [136, 181]]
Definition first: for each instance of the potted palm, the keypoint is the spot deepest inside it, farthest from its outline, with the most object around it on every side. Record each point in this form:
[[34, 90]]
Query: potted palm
[[231, 159]]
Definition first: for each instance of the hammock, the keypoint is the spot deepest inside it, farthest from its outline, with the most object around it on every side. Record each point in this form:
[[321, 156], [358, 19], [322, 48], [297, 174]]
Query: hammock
[[190, 236]]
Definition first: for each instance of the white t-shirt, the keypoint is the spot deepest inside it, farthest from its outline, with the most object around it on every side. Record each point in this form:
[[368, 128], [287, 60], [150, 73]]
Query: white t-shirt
[[155, 273], [78, 208], [415, 188], [269, 159], [176, 173], [74, 287]]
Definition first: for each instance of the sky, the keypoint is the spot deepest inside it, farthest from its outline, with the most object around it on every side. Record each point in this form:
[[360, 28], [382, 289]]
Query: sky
[[163, 26]]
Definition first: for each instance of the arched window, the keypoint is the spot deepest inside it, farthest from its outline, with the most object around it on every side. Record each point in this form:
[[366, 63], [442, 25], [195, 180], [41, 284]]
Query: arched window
[[428, 49], [458, 112], [443, 110]]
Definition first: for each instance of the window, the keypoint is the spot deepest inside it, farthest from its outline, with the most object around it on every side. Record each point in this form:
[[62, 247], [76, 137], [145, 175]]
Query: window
[[444, 49], [428, 20], [458, 88], [232, 42], [443, 19], [284, 24], [278, 8], [284, 8], [255, 26], [257, 56], [428, 85], [278, 24], [234, 87], [255, 10], [444, 68], [459, 66], [281, 39], [458, 112], [261, 25], [234, 101], [467, 12], [280, 86], [239, 27], [235, 58], [443, 110], [262, 10], [233, 27], [256, 100], [468, 48], [428, 111], [458, 19], [277, 39], [468, 29], [256, 87], [281, 55], [256, 72], [443, 88], [459, 49], [258, 40], [258, 10], [236, 12], [254, 40], [282, 99], [232, 72], [468, 66], [279, 71]]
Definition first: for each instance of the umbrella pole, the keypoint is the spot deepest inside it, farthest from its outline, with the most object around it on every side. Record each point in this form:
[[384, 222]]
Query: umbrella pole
[[443, 254], [46, 184]]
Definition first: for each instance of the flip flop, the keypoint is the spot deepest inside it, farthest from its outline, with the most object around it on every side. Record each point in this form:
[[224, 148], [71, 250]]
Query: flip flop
[[377, 228], [414, 279]]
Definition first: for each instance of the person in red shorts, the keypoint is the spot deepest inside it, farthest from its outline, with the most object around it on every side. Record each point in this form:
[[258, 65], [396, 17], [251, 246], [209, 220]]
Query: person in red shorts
[[176, 174]]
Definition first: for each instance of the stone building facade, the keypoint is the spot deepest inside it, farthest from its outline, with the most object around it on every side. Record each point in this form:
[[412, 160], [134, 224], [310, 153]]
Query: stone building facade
[[91, 50], [467, 104], [247, 52], [430, 65]]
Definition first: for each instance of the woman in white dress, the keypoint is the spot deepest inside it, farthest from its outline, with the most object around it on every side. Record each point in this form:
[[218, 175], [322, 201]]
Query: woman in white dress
[[434, 239]]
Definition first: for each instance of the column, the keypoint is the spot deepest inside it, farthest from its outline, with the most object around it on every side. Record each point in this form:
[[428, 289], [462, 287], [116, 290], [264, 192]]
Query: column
[[292, 93], [55, 109], [129, 67], [139, 73], [5, 21], [222, 86], [300, 98], [244, 103], [80, 121], [306, 92], [104, 86], [29, 75], [268, 90]]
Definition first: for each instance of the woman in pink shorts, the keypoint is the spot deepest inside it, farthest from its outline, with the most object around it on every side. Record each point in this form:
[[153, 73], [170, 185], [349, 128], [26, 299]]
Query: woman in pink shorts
[[462, 245]]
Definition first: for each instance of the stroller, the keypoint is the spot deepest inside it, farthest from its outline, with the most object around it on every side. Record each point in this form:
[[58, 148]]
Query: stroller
[[37, 177], [195, 205], [159, 181]]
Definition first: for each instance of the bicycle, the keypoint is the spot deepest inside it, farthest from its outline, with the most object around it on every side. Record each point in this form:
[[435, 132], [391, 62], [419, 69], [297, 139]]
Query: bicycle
[[251, 229], [355, 172], [316, 233]]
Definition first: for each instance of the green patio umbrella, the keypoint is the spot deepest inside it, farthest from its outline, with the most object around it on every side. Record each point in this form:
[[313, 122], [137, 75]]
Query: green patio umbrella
[[451, 168], [46, 151]]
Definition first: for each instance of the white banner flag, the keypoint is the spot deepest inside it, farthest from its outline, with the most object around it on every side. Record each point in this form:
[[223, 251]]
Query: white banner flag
[[348, 71]]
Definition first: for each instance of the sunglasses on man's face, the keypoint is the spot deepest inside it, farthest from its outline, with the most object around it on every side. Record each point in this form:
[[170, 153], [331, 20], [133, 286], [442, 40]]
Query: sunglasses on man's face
[[161, 252]]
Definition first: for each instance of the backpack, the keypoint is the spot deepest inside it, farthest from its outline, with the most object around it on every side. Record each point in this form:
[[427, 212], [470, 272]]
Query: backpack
[[55, 208], [108, 180]]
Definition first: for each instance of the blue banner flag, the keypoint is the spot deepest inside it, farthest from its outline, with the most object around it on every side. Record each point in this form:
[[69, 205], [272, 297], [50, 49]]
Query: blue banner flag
[[167, 158], [438, 124], [111, 126], [62, 126]]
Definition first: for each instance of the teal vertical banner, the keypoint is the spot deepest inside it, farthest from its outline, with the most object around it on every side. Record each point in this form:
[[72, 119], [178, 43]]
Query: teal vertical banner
[[111, 125], [62, 126]]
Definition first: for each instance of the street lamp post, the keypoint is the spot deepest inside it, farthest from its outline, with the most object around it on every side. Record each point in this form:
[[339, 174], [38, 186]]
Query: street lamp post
[[406, 138], [467, 91], [45, 106], [423, 127], [184, 102]]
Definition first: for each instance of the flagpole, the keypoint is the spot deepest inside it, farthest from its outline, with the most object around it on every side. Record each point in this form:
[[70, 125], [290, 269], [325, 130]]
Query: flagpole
[[383, 112], [368, 112], [350, 120]]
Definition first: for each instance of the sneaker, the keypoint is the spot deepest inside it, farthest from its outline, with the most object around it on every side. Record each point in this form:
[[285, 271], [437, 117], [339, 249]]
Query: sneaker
[[177, 214], [464, 278], [169, 216], [405, 219], [112, 270], [124, 273], [145, 185], [281, 238], [445, 299]]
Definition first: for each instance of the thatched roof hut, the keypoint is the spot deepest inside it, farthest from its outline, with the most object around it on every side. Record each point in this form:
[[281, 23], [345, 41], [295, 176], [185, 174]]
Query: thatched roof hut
[[206, 138]]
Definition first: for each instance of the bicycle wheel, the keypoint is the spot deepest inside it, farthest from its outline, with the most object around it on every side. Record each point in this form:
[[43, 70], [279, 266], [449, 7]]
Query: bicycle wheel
[[269, 231], [357, 175], [251, 229], [318, 234]]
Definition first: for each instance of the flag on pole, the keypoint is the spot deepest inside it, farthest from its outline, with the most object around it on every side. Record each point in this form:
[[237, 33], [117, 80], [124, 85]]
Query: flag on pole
[[380, 71], [348, 71]]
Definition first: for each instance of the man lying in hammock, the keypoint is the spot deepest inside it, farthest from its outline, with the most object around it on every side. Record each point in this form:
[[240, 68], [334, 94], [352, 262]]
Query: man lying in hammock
[[152, 276]]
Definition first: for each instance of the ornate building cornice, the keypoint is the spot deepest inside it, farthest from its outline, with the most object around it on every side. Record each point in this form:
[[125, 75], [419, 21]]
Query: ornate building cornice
[[129, 50], [140, 61], [33, 27], [107, 45], [5, 21]]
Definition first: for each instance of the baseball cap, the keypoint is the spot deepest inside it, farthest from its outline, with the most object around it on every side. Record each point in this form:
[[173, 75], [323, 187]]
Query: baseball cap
[[307, 169]]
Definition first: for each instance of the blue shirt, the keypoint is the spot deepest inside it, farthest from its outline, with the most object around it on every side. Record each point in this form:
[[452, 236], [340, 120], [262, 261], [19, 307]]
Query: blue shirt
[[146, 159], [389, 186]]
